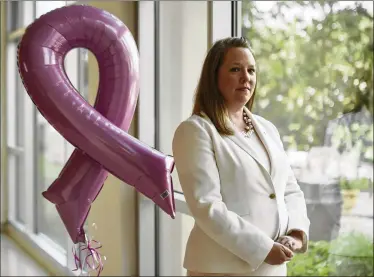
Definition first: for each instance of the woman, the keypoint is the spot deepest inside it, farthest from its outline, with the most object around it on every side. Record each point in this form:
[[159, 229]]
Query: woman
[[250, 214]]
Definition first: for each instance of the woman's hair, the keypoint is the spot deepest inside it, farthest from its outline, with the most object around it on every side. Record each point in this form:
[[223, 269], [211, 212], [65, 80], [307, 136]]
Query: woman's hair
[[208, 99]]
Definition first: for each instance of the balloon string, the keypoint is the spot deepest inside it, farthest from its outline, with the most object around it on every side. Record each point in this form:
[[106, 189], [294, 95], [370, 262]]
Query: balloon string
[[91, 247]]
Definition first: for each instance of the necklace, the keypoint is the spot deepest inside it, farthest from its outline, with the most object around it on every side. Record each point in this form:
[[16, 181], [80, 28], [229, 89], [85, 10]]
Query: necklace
[[249, 129]]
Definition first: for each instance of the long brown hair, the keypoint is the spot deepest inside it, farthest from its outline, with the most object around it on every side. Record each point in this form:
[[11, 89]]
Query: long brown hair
[[208, 99]]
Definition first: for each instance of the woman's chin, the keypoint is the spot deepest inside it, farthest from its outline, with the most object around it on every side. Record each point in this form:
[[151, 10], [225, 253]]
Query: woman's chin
[[243, 99]]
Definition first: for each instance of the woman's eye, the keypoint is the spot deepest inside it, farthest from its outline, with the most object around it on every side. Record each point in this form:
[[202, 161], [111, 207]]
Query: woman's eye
[[235, 69], [252, 71]]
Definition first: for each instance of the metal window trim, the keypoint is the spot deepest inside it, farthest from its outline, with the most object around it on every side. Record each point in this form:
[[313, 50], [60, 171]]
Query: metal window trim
[[234, 23], [147, 251], [36, 157], [11, 189], [29, 141], [237, 18], [157, 127], [14, 150], [3, 112]]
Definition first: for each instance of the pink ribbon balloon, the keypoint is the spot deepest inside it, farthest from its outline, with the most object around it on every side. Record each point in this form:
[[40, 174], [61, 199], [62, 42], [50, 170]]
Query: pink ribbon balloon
[[98, 133]]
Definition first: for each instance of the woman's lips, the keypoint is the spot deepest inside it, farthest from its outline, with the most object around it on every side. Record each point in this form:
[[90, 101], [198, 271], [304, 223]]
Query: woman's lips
[[244, 89]]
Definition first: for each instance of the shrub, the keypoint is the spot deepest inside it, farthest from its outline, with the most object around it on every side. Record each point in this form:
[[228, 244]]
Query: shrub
[[350, 254]]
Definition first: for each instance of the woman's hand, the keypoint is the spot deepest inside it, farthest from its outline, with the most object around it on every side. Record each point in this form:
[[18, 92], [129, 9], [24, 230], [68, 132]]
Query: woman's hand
[[294, 243], [278, 254]]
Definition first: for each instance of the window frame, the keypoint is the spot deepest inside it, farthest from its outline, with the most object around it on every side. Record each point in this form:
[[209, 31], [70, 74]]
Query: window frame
[[26, 233], [220, 14], [147, 12]]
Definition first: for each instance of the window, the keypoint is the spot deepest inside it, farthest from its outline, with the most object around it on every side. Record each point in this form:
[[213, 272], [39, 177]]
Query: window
[[183, 44], [22, 14], [173, 239], [52, 154], [15, 136], [43, 7], [36, 152], [14, 21], [306, 98], [183, 32], [316, 86]]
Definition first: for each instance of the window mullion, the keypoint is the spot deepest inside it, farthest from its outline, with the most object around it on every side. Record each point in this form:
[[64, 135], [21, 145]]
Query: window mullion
[[29, 160], [220, 20], [146, 133]]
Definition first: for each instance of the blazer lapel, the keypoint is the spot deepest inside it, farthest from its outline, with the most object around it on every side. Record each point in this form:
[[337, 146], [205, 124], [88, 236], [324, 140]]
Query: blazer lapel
[[243, 143], [239, 139], [266, 140]]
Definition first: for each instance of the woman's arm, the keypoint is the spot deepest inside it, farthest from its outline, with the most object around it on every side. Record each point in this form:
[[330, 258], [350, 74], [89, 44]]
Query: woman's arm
[[199, 178], [298, 221]]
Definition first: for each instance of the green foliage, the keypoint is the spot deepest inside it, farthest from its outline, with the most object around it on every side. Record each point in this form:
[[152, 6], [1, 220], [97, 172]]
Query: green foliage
[[313, 263], [360, 183], [355, 134], [310, 72], [349, 255], [352, 255]]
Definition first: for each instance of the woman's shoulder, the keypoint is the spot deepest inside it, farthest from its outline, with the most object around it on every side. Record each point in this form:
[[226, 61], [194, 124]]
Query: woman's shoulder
[[196, 121], [194, 125]]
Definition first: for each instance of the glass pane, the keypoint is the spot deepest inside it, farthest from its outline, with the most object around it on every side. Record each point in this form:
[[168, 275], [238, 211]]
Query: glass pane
[[51, 159], [315, 83], [11, 92], [43, 7], [53, 152], [27, 12], [21, 214], [76, 63], [83, 73], [174, 234], [183, 44], [20, 108], [20, 139], [12, 180], [15, 131], [13, 15]]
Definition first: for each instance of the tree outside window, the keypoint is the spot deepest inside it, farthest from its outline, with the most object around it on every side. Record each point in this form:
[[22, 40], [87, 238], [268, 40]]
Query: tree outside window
[[315, 83]]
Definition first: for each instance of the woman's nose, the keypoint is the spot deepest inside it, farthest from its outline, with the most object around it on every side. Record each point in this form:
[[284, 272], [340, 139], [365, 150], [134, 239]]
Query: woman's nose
[[246, 77]]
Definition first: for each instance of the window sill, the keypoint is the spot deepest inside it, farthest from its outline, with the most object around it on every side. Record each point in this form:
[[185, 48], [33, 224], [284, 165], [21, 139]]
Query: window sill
[[42, 250], [180, 203]]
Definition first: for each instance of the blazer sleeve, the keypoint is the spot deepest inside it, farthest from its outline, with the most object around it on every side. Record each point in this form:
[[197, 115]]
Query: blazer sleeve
[[295, 202], [199, 178], [296, 207]]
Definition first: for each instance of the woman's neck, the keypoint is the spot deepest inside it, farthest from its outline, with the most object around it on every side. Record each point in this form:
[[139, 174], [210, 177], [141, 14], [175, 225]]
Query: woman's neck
[[236, 115]]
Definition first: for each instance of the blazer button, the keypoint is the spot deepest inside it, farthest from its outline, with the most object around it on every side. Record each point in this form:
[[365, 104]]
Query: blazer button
[[272, 195]]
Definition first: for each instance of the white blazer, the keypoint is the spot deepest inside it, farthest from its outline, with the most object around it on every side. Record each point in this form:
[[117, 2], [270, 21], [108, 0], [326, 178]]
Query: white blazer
[[239, 208]]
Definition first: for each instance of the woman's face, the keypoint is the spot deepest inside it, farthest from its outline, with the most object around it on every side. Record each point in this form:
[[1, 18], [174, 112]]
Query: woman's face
[[237, 77]]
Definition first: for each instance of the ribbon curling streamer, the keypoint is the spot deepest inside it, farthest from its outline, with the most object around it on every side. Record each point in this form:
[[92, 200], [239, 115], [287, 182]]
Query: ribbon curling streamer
[[92, 261], [99, 133]]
